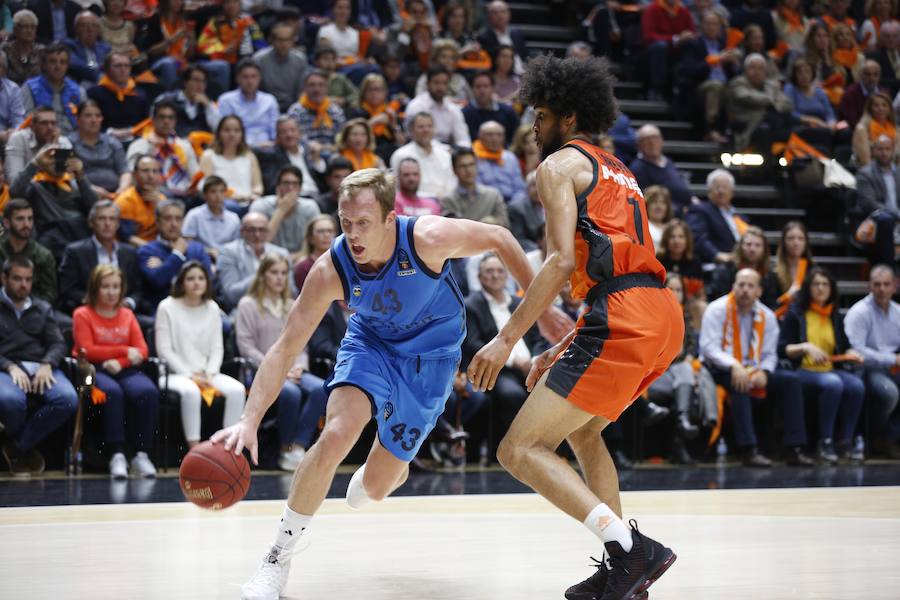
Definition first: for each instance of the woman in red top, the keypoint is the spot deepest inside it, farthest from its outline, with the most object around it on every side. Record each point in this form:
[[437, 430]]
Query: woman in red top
[[113, 342]]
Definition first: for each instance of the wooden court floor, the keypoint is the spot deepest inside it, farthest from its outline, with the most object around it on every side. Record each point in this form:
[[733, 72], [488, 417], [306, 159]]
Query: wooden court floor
[[831, 543]]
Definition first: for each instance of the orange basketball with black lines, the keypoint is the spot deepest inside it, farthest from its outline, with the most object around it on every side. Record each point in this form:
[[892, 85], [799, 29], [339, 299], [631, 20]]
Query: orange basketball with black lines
[[213, 478]]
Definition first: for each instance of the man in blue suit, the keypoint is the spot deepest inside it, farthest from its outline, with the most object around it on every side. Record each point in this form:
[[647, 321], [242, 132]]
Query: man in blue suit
[[715, 224], [161, 259]]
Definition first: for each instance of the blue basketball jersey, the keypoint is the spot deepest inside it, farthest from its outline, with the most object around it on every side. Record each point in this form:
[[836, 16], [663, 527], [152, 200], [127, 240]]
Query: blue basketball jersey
[[409, 308]]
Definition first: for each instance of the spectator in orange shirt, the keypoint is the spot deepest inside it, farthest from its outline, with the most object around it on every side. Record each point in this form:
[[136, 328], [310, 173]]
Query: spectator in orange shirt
[[113, 342], [138, 203]]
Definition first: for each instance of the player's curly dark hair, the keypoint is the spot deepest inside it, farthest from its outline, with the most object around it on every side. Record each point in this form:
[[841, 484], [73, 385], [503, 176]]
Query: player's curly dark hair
[[583, 87]]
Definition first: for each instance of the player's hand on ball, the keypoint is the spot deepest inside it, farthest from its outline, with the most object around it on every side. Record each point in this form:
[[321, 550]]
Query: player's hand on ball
[[486, 366], [237, 437], [554, 324]]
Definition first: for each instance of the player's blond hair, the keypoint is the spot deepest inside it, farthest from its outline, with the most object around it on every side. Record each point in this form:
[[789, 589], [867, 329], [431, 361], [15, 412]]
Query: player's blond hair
[[381, 184]]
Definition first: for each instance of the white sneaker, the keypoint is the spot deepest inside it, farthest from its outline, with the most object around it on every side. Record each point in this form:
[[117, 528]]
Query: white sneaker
[[289, 461], [141, 466], [270, 578], [118, 466]]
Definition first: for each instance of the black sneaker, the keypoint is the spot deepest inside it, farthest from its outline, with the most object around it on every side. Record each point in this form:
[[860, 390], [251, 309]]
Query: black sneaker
[[631, 573], [592, 587], [825, 452]]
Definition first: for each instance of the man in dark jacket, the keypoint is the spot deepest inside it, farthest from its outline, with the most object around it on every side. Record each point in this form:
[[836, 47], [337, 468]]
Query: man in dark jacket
[[715, 224], [61, 198], [526, 216], [486, 313], [879, 202], [31, 349], [80, 258]]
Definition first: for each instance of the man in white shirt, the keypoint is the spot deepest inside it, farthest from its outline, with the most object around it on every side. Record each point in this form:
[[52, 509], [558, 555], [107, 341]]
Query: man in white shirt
[[449, 124], [435, 163]]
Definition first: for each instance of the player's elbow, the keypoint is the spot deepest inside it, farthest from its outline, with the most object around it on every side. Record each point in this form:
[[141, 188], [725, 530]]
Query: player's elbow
[[563, 264]]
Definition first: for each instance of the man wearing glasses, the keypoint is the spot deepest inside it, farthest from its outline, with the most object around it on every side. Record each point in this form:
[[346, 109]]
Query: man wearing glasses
[[238, 260], [282, 65]]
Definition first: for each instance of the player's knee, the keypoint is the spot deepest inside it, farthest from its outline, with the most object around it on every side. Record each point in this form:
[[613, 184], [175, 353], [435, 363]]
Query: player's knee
[[335, 442], [379, 485], [510, 454]]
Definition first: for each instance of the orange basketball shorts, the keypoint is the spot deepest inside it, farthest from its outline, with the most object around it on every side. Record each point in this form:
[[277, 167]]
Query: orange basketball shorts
[[622, 344]]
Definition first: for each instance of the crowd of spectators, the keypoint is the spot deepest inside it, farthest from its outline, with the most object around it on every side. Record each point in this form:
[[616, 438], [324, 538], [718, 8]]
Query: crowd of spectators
[[171, 174]]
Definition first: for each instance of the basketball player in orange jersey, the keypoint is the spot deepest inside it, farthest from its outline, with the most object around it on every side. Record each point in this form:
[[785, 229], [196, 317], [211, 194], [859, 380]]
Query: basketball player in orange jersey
[[598, 238]]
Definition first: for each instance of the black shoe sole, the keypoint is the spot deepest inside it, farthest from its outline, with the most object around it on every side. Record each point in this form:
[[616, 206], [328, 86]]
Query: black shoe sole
[[640, 588], [596, 596]]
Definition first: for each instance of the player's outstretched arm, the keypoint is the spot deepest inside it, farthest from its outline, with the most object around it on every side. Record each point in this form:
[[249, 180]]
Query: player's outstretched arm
[[322, 287], [441, 238], [557, 191]]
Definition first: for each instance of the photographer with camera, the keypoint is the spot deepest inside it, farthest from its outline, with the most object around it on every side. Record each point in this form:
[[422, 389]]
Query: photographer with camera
[[53, 182]]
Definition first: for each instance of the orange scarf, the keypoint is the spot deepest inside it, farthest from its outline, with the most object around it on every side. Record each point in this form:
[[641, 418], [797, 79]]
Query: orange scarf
[[846, 57], [732, 325], [672, 11], [323, 119], [877, 130], [4, 197], [120, 92], [831, 22], [62, 182], [740, 224], [784, 300], [169, 29], [381, 130], [482, 152], [823, 311], [368, 160], [208, 393], [793, 18]]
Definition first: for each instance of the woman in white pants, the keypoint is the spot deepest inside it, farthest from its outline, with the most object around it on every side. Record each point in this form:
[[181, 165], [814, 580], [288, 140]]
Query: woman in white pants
[[189, 340]]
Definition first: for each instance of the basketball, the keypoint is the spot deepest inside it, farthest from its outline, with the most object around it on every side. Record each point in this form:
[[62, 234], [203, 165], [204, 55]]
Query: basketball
[[213, 478]]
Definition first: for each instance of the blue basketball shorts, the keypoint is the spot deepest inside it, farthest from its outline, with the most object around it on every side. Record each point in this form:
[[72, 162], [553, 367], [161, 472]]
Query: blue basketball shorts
[[408, 394]]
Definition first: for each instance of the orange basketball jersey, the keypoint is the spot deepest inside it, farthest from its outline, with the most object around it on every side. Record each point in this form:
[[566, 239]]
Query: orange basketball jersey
[[612, 237]]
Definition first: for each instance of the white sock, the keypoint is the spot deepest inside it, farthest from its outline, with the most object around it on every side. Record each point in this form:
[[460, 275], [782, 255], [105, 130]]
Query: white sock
[[292, 526], [607, 526], [356, 491]]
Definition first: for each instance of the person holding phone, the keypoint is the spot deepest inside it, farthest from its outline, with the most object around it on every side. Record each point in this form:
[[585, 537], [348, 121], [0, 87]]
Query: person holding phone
[[55, 186]]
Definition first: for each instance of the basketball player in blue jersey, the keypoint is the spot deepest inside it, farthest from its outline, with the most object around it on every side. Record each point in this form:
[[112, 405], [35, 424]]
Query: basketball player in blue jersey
[[396, 363]]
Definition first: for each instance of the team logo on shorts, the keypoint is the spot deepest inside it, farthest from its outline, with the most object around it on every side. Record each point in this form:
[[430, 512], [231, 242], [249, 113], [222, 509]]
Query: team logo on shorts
[[405, 265], [388, 410]]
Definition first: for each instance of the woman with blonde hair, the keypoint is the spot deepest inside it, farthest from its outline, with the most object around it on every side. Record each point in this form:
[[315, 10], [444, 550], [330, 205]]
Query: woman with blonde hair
[[261, 316], [230, 158], [445, 52], [846, 53], [878, 119], [658, 201], [356, 143], [113, 342], [525, 147], [381, 115], [750, 252], [189, 339], [320, 232], [793, 259]]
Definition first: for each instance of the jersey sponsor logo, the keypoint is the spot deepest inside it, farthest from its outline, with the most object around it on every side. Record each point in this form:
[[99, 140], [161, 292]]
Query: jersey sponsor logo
[[388, 410], [405, 265]]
